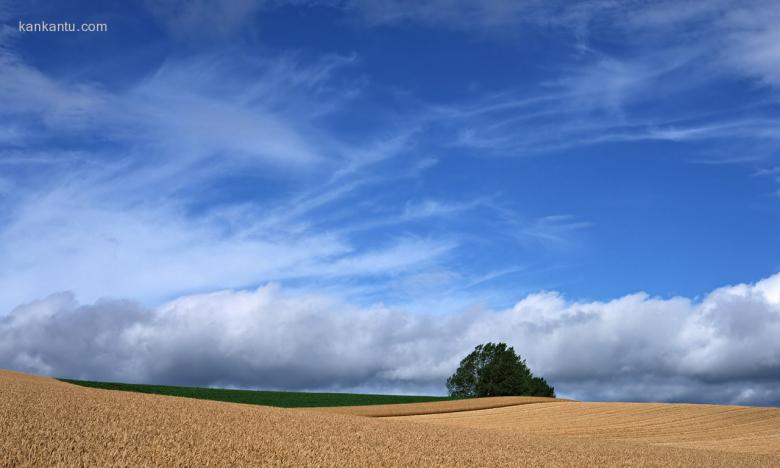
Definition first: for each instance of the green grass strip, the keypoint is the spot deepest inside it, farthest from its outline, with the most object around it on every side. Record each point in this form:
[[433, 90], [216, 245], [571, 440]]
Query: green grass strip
[[254, 397]]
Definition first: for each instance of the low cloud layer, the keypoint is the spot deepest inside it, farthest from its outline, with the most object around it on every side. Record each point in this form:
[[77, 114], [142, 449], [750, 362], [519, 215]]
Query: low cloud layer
[[722, 348]]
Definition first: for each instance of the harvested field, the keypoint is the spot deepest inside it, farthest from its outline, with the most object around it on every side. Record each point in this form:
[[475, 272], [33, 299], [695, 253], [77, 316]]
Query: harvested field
[[48, 423], [727, 428], [449, 406]]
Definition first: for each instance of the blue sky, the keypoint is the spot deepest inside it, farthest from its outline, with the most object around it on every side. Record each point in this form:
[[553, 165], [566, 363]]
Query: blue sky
[[425, 157]]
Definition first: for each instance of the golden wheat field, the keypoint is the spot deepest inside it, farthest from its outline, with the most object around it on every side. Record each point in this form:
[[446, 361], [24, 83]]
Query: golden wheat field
[[44, 422]]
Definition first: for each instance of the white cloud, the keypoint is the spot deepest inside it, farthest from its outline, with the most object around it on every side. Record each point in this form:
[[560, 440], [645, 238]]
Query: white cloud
[[739, 36], [722, 348], [555, 228], [434, 208], [752, 42]]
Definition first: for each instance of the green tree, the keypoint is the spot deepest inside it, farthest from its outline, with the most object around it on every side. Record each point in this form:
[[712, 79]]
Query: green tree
[[494, 369]]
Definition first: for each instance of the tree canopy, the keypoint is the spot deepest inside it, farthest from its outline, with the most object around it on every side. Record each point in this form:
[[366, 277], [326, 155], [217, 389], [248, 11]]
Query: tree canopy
[[494, 369]]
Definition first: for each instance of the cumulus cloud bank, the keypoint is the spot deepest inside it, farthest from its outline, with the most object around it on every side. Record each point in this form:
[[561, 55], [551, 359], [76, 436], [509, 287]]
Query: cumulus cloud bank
[[721, 348]]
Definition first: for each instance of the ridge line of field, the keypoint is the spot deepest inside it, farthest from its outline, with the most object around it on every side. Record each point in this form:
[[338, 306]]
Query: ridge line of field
[[437, 407]]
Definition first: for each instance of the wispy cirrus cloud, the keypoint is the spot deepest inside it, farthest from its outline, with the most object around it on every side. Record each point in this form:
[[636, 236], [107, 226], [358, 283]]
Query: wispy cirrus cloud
[[555, 228], [605, 94], [728, 32], [187, 120], [139, 210], [602, 95]]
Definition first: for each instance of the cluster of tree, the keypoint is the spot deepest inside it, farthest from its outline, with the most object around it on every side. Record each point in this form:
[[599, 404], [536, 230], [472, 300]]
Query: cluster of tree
[[494, 369]]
